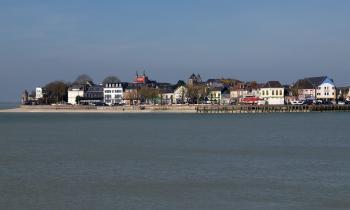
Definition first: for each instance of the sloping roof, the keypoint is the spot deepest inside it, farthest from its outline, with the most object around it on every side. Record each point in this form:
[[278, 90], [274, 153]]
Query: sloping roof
[[303, 84], [96, 88], [273, 84], [316, 81]]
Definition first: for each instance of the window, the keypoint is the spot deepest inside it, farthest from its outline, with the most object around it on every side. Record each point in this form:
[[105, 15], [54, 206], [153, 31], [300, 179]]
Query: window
[[281, 93], [273, 92]]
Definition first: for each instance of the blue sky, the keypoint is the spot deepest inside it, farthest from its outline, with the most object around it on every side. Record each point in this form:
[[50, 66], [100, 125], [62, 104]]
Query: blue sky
[[41, 41]]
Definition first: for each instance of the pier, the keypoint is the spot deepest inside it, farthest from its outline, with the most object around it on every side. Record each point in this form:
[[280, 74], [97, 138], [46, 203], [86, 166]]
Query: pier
[[215, 109]]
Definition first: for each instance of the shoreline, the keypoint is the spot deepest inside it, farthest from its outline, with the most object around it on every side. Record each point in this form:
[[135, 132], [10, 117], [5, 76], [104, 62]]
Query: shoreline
[[201, 109], [92, 109]]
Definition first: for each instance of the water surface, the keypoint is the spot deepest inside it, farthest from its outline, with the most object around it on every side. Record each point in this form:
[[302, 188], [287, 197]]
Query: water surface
[[8, 105], [175, 161]]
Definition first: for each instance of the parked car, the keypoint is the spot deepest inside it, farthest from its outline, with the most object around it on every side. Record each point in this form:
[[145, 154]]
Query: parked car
[[100, 104], [341, 102], [296, 102], [327, 103], [308, 102], [347, 102]]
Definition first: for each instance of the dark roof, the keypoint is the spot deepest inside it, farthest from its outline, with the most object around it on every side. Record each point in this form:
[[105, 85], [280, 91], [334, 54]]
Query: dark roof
[[273, 84], [303, 84], [316, 81], [96, 88]]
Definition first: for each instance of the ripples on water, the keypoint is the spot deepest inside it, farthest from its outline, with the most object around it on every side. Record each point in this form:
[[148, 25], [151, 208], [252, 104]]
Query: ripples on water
[[174, 161]]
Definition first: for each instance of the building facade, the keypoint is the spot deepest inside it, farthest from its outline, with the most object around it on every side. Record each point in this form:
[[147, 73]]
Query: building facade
[[93, 95], [74, 93], [315, 88], [272, 93], [38, 93], [326, 90], [180, 95], [113, 93], [215, 96]]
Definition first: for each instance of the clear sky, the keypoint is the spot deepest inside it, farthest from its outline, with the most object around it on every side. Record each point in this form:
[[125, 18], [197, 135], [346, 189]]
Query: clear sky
[[42, 40]]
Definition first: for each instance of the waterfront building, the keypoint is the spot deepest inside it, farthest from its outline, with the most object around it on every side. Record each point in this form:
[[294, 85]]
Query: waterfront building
[[167, 95], [75, 93], [305, 90], [326, 90], [131, 95], [238, 91], [38, 93], [289, 96], [93, 95], [320, 88], [272, 93], [243, 90], [113, 93], [215, 95], [180, 95]]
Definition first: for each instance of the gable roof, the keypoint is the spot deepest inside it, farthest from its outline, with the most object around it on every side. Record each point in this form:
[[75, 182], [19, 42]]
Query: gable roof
[[303, 84], [273, 84], [316, 81], [312, 82]]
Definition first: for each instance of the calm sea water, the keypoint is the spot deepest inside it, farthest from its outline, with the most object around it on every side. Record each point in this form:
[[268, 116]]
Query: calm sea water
[[175, 161], [8, 105]]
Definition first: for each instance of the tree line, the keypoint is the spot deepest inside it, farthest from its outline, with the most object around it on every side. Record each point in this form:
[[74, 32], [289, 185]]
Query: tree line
[[57, 91]]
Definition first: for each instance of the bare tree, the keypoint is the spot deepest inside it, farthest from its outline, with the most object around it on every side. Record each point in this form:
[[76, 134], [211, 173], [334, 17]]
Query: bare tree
[[132, 95], [56, 91], [149, 94], [196, 93]]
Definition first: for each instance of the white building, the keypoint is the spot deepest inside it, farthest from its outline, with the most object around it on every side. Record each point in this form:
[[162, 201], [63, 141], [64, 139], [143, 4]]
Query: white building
[[272, 93], [320, 88], [38, 93], [73, 93], [113, 93], [326, 90], [180, 95]]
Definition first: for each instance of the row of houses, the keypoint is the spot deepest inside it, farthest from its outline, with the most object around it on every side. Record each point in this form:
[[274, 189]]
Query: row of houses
[[212, 91]]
